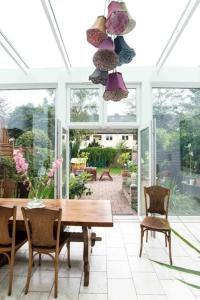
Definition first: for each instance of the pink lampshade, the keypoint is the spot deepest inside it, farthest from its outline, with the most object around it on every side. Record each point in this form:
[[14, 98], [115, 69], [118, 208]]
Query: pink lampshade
[[131, 21], [105, 59], [115, 88], [97, 33], [117, 20]]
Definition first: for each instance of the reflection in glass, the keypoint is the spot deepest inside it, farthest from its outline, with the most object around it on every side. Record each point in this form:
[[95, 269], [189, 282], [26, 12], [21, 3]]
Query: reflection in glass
[[124, 110], [27, 122], [144, 162], [84, 105], [177, 114]]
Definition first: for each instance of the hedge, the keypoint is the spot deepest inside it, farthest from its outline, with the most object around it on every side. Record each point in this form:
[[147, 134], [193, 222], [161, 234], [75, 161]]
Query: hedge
[[100, 157]]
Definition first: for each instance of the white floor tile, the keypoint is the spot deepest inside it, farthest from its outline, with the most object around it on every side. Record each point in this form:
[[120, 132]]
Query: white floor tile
[[147, 283], [142, 264], [97, 285], [118, 269], [119, 289], [93, 297], [68, 289], [175, 289], [151, 297], [116, 254]]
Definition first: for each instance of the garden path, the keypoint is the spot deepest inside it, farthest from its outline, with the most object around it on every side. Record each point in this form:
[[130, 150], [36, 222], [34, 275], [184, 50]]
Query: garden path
[[111, 190]]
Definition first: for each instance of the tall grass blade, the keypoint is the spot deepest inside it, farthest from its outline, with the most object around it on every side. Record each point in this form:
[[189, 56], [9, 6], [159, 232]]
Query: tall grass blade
[[185, 241], [180, 269]]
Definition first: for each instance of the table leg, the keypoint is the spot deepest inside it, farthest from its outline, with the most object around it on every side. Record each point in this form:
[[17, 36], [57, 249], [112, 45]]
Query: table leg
[[86, 256]]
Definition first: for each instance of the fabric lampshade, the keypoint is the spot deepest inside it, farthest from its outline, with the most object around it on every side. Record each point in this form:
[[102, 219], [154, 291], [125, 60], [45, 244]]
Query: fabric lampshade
[[99, 77], [115, 88], [131, 22], [124, 52], [117, 20], [97, 33], [105, 59]]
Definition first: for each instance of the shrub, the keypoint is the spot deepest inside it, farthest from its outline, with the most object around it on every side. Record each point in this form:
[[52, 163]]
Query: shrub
[[100, 157]]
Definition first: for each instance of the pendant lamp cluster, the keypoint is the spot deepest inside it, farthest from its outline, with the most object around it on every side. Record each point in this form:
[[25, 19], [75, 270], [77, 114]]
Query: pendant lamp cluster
[[107, 35]]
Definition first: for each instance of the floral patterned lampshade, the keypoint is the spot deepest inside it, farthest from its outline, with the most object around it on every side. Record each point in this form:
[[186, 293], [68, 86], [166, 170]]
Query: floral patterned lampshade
[[124, 51], [99, 77], [117, 20], [115, 88], [105, 59], [97, 33], [131, 22]]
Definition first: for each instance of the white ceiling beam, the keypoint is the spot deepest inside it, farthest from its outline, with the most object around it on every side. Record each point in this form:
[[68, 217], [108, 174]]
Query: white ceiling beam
[[177, 32], [48, 9], [12, 52]]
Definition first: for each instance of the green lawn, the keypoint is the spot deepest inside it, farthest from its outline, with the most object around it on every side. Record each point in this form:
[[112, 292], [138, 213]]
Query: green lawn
[[116, 171]]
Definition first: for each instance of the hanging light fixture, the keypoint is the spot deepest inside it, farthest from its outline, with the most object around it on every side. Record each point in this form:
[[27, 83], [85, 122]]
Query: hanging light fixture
[[105, 59], [124, 51], [115, 88], [117, 19], [131, 21], [111, 54], [97, 33], [99, 77]]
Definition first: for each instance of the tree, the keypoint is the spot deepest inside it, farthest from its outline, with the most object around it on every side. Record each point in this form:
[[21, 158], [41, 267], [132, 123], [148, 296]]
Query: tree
[[84, 105]]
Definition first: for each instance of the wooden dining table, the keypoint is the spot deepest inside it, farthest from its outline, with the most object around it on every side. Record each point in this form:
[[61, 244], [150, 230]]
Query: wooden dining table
[[84, 213]]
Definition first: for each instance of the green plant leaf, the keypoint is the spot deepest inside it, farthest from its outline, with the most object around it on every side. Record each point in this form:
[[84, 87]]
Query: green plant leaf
[[180, 269], [190, 284], [185, 241]]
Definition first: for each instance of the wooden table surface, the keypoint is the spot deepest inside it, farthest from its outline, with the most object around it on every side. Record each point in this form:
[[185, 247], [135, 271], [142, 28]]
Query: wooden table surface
[[95, 213]]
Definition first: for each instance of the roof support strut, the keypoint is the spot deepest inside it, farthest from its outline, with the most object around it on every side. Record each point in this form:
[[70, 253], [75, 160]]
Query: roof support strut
[[186, 15], [48, 9], [12, 52]]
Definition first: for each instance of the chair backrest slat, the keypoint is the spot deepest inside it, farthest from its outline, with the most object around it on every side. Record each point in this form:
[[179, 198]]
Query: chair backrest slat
[[156, 200], [6, 213], [41, 225]]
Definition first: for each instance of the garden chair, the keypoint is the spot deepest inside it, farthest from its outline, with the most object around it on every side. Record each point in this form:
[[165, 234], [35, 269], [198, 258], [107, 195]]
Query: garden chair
[[43, 227], [105, 173], [10, 240], [156, 202]]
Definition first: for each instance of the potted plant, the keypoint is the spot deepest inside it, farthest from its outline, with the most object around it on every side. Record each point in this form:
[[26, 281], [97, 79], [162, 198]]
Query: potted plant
[[123, 160]]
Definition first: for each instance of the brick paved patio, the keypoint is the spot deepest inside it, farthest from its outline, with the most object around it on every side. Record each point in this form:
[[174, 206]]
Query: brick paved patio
[[111, 190]]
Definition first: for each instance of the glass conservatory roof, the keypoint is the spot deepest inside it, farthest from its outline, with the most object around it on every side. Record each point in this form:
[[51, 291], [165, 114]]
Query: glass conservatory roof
[[52, 33]]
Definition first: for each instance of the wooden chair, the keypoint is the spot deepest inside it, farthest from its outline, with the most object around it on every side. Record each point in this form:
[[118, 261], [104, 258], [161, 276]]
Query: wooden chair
[[156, 202], [43, 227], [10, 241], [105, 173]]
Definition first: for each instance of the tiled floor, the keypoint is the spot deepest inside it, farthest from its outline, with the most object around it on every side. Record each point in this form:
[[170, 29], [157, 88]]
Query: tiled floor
[[117, 273], [111, 190]]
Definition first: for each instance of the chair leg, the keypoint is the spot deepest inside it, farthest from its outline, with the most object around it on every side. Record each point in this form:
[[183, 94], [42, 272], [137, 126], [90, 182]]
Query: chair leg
[[147, 236], [68, 253], [141, 241], [56, 275], [30, 264], [40, 259], [165, 239], [11, 265], [170, 251]]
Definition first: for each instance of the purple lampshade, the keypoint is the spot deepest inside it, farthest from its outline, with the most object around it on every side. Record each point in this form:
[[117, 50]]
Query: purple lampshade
[[105, 59], [131, 21], [99, 77], [117, 20], [115, 88], [97, 33]]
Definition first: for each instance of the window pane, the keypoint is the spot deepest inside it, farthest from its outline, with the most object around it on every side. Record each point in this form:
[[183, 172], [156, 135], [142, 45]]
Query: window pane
[[178, 147], [27, 122], [84, 105], [124, 110]]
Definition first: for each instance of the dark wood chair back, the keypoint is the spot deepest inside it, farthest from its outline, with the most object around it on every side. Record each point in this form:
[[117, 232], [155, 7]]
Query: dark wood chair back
[[156, 200], [42, 226], [7, 238]]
